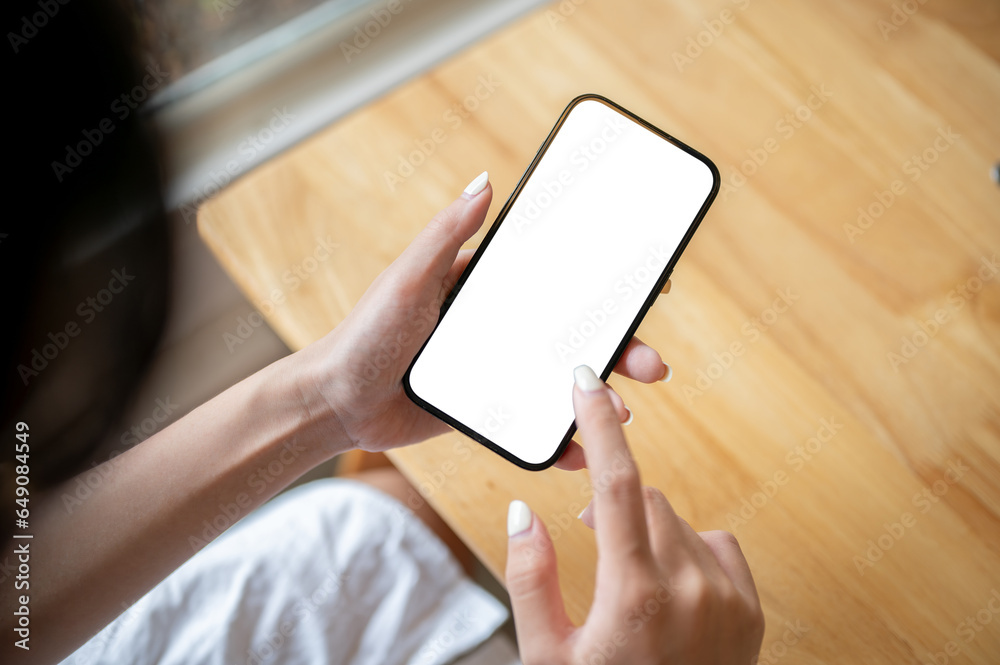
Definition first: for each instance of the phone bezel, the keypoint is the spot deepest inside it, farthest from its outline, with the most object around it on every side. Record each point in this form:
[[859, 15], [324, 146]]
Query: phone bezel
[[644, 308]]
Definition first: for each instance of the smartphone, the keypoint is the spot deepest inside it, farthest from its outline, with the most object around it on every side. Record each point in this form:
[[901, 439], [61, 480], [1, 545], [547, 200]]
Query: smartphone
[[575, 258]]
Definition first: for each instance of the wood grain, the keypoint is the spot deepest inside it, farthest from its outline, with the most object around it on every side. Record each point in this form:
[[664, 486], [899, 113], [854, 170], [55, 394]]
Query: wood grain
[[799, 418]]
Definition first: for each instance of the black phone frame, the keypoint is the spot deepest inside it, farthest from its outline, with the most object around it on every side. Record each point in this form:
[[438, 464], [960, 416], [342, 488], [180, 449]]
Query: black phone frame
[[650, 299]]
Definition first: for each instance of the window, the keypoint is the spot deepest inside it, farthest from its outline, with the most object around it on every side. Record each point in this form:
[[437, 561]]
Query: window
[[197, 42]]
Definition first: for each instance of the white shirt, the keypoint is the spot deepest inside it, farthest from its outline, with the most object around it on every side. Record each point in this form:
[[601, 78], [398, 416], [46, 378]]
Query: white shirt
[[331, 572]]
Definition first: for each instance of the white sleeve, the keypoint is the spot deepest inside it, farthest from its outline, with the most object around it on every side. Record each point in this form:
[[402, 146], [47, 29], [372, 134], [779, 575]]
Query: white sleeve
[[331, 572]]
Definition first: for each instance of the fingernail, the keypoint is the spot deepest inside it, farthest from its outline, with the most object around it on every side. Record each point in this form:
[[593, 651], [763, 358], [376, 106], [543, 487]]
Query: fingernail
[[630, 417], [587, 509], [518, 518], [668, 373], [477, 185], [586, 380]]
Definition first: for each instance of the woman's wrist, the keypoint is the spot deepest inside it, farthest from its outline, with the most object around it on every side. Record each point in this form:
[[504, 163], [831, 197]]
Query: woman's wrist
[[300, 377]]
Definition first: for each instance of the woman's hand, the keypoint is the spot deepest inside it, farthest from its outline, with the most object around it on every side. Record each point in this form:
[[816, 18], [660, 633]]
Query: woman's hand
[[664, 593], [357, 368]]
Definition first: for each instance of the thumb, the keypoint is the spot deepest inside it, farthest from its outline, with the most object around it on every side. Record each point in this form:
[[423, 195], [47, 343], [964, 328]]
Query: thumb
[[433, 251], [533, 584]]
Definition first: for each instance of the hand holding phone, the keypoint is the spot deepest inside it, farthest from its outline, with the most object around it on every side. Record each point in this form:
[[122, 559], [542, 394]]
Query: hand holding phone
[[563, 278]]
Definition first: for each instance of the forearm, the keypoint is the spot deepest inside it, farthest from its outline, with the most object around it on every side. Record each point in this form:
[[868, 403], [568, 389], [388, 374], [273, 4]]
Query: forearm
[[159, 503]]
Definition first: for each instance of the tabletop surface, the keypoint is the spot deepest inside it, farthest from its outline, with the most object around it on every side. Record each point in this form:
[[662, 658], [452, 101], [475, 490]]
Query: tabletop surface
[[834, 326]]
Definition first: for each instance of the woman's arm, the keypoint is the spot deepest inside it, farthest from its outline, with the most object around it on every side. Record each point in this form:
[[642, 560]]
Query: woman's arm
[[95, 553], [150, 509], [160, 502]]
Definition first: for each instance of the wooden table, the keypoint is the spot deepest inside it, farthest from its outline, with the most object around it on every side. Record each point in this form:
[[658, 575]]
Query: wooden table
[[834, 327]]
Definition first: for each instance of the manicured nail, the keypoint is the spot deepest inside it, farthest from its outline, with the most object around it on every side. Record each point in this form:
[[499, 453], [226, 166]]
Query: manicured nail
[[477, 185], [668, 373], [630, 417], [586, 380], [585, 511], [518, 518]]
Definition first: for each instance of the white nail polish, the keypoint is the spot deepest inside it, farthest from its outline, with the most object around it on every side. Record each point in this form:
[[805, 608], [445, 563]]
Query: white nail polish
[[518, 518], [586, 379], [668, 373], [477, 185], [630, 417], [580, 516]]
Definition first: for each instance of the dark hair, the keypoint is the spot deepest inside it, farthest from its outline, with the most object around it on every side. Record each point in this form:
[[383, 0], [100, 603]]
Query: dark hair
[[85, 258]]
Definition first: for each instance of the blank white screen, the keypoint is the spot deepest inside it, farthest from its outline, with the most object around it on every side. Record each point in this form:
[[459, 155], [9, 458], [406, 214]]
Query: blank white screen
[[562, 280]]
